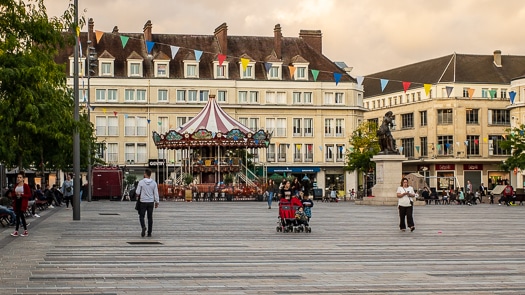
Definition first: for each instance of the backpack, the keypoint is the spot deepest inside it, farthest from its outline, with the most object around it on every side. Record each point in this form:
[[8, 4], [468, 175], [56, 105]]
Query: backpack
[[508, 190]]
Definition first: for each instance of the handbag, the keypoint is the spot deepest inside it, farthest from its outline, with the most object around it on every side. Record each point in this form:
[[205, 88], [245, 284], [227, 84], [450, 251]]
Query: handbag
[[137, 204]]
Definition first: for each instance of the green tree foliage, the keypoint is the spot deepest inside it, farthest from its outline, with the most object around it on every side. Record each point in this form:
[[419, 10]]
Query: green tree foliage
[[36, 107], [515, 141], [364, 146]]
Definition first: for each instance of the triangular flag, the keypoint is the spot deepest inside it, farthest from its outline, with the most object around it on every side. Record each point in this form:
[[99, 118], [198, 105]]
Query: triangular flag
[[512, 95], [406, 85], [149, 121], [466, 142], [104, 110], [427, 88], [400, 149], [244, 63], [321, 148], [449, 90], [485, 139], [337, 77], [149, 46], [476, 141], [267, 66], [471, 92], [384, 82], [360, 80], [492, 93], [174, 50], [124, 40], [361, 149], [417, 148], [439, 147], [115, 113], [315, 73], [198, 54], [221, 58], [126, 116], [292, 71], [98, 35], [159, 122]]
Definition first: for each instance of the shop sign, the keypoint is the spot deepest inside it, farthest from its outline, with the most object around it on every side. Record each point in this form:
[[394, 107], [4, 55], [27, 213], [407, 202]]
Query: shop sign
[[472, 166], [445, 167], [154, 163]]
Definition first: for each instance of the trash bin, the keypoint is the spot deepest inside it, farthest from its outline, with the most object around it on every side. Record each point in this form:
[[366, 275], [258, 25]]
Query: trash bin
[[318, 193]]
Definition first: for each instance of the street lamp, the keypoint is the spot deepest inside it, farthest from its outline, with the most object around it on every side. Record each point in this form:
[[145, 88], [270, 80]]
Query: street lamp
[[92, 64]]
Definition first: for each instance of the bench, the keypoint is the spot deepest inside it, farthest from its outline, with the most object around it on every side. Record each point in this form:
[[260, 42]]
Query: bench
[[4, 219]]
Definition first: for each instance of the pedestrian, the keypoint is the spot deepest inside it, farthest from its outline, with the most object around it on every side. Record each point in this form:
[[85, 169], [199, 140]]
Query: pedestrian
[[67, 190], [20, 194], [270, 190], [148, 194], [405, 193]]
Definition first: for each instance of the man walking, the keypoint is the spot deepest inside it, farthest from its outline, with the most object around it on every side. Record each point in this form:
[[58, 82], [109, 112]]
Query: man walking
[[148, 194]]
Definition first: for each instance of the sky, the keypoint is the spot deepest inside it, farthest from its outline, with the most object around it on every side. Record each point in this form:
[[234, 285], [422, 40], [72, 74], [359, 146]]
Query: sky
[[369, 35]]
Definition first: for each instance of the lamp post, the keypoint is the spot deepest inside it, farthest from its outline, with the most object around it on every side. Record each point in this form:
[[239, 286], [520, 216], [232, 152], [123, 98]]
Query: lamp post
[[76, 135], [92, 64]]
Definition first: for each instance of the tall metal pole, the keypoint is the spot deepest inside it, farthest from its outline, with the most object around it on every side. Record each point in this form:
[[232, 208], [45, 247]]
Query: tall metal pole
[[89, 61], [76, 135]]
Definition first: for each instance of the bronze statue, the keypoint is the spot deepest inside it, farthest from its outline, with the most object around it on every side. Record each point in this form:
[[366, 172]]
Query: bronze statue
[[386, 141]]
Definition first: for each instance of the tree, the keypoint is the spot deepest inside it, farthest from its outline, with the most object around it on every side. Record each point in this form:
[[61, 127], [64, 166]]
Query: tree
[[36, 107], [515, 141]]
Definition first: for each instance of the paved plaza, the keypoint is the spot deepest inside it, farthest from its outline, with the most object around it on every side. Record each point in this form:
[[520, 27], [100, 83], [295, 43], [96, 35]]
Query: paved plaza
[[233, 248]]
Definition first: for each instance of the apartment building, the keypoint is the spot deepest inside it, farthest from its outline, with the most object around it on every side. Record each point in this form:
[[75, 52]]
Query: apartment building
[[451, 113], [147, 82]]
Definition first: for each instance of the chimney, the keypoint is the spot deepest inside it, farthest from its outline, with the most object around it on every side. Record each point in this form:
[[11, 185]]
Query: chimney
[[221, 34], [497, 58], [314, 38], [277, 40], [91, 35], [115, 30], [147, 31]]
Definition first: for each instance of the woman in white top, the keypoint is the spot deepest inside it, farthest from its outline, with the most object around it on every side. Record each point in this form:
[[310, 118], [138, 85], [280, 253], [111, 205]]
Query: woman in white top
[[405, 193]]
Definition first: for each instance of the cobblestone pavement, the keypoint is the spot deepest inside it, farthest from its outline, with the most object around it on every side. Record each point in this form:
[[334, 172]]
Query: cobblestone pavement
[[234, 248]]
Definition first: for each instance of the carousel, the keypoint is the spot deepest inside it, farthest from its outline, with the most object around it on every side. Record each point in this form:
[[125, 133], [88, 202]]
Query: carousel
[[215, 151]]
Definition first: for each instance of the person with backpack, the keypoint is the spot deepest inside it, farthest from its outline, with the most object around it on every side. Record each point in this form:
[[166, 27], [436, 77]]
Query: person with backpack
[[67, 190], [508, 192]]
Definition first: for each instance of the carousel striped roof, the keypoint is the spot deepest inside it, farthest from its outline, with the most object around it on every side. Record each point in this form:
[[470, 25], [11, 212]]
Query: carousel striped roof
[[214, 119]]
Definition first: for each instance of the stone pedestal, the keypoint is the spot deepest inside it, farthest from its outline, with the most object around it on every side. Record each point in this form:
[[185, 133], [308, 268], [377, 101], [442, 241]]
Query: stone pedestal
[[389, 171]]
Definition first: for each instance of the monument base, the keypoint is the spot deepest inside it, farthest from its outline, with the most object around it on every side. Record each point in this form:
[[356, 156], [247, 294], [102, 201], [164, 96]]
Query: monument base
[[389, 171]]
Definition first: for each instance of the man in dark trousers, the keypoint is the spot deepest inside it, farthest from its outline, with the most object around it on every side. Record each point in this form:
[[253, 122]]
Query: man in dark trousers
[[148, 193]]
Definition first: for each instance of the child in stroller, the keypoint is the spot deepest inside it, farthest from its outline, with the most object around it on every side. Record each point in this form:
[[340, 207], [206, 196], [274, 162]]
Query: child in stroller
[[287, 209], [301, 221]]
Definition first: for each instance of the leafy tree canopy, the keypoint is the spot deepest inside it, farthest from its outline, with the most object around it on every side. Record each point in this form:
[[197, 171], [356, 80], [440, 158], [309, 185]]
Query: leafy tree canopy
[[364, 145], [515, 141]]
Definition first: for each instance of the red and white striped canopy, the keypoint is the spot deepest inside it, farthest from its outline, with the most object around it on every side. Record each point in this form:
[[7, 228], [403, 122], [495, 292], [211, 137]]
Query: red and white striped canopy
[[213, 119]]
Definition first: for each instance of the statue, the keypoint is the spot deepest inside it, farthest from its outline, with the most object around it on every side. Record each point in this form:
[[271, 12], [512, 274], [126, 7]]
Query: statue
[[386, 141]]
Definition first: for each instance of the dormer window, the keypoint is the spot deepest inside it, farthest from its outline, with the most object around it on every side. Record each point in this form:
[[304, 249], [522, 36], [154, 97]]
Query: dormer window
[[81, 66], [275, 72], [249, 71], [162, 69], [191, 69], [301, 71], [134, 65], [220, 71]]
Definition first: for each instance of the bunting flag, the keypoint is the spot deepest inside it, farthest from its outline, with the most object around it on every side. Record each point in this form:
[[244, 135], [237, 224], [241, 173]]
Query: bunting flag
[[512, 95], [174, 50], [292, 71], [384, 82], [244, 63], [149, 46], [77, 30], [405, 86], [457, 143], [198, 55], [160, 123], [321, 148], [427, 88], [360, 80], [471, 92], [104, 110], [400, 149], [126, 116], [449, 90], [340, 148], [485, 139], [221, 58], [492, 93], [337, 78], [351, 149], [98, 35], [466, 142], [476, 141], [267, 66], [115, 113], [417, 148], [124, 40], [298, 147], [439, 147], [361, 149], [447, 145], [315, 73], [149, 121]]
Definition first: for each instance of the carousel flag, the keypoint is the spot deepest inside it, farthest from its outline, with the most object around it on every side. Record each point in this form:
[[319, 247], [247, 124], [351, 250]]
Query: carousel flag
[[149, 121], [466, 142]]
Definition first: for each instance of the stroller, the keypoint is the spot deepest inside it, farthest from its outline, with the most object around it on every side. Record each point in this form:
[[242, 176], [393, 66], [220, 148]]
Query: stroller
[[287, 221]]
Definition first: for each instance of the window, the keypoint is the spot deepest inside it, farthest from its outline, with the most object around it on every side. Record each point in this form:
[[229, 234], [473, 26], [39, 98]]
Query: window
[[105, 69], [129, 126], [101, 126], [192, 95], [129, 95], [339, 127], [141, 95], [101, 151], [243, 121], [100, 95], [112, 95], [161, 69], [472, 116], [307, 97], [408, 147], [297, 156], [220, 71], [407, 121], [503, 93], [308, 127], [142, 153], [339, 98], [112, 126], [465, 91], [329, 153], [281, 98], [499, 117], [423, 151], [281, 157], [248, 72], [162, 95], [328, 129], [296, 97], [270, 97], [270, 125], [254, 96], [163, 126], [373, 124], [472, 145], [423, 118], [297, 127], [134, 69], [112, 152], [308, 153], [445, 145], [243, 96], [253, 124], [181, 95], [281, 127], [340, 153], [484, 92], [181, 121], [495, 146], [130, 153], [221, 95], [204, 95], [275, 72], [445, 117], [328, 98], [142, 126], [191, 70], [300, 73], [270, 153]]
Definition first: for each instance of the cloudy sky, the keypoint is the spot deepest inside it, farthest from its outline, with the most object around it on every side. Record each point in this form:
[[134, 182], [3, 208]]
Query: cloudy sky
[[368, 35]]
